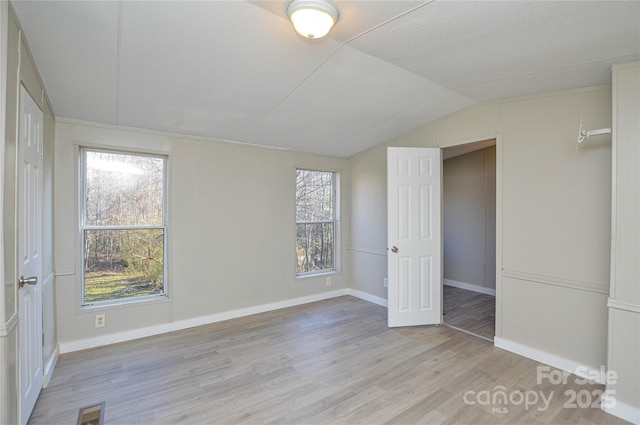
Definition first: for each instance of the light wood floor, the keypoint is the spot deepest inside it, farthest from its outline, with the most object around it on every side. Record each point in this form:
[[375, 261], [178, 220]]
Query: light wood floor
[[470, 311], [330, 362]]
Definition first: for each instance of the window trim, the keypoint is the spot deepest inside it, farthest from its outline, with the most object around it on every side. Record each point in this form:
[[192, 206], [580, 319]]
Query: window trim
[[81, 217], [337, 247]]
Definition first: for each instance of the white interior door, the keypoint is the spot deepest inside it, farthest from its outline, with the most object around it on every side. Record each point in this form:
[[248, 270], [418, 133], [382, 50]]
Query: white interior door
[[30, 160], [414, 177]]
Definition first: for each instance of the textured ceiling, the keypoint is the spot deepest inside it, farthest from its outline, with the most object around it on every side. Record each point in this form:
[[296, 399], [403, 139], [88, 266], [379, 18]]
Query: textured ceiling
[[236, 70]]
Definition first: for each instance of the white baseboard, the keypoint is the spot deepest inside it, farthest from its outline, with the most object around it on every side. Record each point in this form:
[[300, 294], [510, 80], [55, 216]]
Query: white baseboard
[[83, 344], [621, 410], [469, 287], [368, 297], [571, 366], [50, 366]]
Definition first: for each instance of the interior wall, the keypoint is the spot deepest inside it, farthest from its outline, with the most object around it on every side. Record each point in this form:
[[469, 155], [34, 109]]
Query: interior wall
[[369, 211], [469, 213], [231, 229], [552, 222]]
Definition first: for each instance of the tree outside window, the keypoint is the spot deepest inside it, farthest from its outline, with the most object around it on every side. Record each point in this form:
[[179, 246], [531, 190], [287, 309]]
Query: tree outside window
[[123, 226], [315, 221]]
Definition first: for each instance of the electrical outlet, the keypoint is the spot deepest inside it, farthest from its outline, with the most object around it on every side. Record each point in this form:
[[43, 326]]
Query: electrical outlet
[[328, 283], [386, 282], [100, 319]]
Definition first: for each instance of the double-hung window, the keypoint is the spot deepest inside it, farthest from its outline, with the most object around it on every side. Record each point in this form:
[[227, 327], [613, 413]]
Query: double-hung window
[[316, 221], [123, 228]]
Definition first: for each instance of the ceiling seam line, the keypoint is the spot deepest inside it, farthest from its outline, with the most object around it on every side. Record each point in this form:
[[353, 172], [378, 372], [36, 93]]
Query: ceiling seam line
[[406, 12], [526, 74], [342, 44], [300, 84]]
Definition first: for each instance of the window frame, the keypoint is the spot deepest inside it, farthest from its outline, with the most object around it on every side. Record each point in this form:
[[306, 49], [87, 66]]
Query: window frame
[[336, 251], [82, 226]]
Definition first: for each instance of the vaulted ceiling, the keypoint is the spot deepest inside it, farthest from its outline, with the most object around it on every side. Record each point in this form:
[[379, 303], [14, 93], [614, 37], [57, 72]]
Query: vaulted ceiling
[[236, 70]]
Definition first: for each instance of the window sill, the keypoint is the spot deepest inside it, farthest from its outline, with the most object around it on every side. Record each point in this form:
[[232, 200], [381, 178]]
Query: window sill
[[310, 275], [125, 303]]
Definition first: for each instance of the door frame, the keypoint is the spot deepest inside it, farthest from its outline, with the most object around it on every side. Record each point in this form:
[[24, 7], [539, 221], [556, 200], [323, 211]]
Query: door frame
[[499, 201], [485, 145]]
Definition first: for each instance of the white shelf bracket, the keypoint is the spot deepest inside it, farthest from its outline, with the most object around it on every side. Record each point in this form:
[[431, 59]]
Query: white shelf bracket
[[584, 134]]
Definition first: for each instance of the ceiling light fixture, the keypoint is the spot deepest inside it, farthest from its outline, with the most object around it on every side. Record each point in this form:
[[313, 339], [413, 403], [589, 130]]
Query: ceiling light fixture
[[312, 18]]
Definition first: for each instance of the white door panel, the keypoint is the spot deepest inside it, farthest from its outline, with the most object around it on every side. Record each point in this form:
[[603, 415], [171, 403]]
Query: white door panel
[[30, 160], [414, 236]]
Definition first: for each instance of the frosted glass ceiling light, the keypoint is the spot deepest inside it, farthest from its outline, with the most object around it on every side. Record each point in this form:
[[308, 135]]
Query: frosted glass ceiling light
[[312, 18]]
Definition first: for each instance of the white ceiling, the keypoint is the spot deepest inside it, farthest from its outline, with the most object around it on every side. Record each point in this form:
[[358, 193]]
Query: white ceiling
[[236, 70]]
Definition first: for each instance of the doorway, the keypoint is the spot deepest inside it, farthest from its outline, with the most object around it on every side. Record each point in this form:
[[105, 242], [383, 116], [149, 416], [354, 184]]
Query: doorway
[[469, 238]]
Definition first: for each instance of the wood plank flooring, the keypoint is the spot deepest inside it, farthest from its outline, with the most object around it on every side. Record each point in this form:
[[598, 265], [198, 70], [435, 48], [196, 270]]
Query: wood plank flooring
[[470, 311], [330, 362]]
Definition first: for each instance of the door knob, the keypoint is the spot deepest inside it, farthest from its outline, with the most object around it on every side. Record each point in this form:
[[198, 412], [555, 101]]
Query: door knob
[[394, 249], [28, 280]]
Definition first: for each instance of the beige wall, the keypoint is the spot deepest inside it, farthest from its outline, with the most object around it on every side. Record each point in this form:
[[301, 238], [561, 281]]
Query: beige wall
[[556, 200], [469, 213], [552, 222], [231, 229]]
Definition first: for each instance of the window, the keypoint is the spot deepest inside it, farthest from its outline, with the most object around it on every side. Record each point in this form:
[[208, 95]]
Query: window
[[316, 220], [123, 226]]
